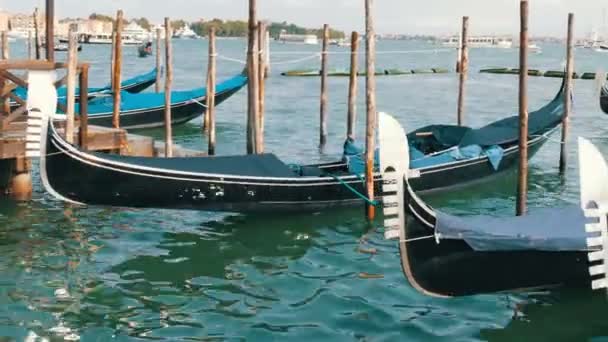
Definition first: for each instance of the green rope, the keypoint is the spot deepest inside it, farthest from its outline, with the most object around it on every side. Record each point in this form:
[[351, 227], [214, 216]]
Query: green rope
[[354, 191]]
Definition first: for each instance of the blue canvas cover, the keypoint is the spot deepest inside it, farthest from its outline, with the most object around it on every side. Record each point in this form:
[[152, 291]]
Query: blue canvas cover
[[548, 229], [131, 102]]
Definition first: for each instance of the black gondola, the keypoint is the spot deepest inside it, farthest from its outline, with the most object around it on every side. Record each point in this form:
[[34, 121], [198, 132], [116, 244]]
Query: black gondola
[[244, 183], [604, 98], [445, 256], [145, 49]]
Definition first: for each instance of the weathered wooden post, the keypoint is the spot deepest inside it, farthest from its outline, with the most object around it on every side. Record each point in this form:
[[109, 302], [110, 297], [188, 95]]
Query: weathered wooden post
[[159, 33], [259, 138], [464, 69], [522, 184], [267, 52], [563, 160], [459, 53], [352, 88], [37, 33], [113, 58], [324, 97], [210, 115], [370, 84], [50, 30], [83, 114], [5, 47], [253, 84], [71, 85], [168, 84], [28, 45], [117, 71]]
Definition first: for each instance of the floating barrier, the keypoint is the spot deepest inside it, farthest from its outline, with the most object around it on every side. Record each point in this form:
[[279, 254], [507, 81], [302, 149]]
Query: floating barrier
[[346, 73], [535, 72]]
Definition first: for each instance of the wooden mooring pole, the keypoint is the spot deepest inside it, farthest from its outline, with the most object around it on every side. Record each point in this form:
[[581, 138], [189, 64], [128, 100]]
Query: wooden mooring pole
[[168, 84], [117, 71], [259, 138], [50, 30], [113, 58], [370, 80], [159, 33], [563, 159], [324, 96], [37, 33], [352, 86], [522, 182], [459, 53], [71, 85], [210, 111], [83, 114], [5, 47], [28, 45], [464, 68], [253, 75]]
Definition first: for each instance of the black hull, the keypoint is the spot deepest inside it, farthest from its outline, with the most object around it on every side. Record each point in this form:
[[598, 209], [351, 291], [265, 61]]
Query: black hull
[[98, 179], [604, 100], [155, 117], [452, 268]]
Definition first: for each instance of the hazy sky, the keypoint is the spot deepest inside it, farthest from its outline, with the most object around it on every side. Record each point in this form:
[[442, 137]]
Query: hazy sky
[[548, 17]]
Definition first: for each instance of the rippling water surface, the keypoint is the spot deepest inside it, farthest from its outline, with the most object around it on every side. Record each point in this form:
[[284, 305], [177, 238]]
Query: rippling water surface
[[127, 274]]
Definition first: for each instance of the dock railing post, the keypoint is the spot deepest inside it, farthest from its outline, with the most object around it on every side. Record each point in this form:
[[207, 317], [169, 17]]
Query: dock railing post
[[168, 84], [83, 114], [464, 69], [253, 82], [324, 96], [117, 71], [50, 30], [157, 86], [71, 85], [28, 45], [210, 110], [37, 32], [522, 183], [370, 80], [352, 86], [259, 140], [563, 160]]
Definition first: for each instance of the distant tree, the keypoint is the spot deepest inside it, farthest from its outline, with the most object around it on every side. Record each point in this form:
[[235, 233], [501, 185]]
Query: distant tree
[[144, 23], [178, 24], [101, 17]]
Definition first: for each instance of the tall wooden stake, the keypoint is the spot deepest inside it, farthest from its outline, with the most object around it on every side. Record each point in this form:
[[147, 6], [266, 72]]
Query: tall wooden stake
[[71, 85], [5, 47], [253, 75], [259, 138], [37, 32], [159, 33], [168, 84], [352, 88], [28, 45], [50, 30], [459, 53], [267, 52], [370, 80], [83, 114], [522, 185], [464, 68], [563, 160], [324, 97], [113, 59], [117, 70], [210, 115]]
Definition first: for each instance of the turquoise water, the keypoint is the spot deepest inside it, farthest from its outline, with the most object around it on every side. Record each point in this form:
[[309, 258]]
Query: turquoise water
[[123, 274]]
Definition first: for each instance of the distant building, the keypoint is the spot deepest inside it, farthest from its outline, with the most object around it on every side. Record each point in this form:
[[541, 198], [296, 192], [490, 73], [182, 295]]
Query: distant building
[[309, 39]]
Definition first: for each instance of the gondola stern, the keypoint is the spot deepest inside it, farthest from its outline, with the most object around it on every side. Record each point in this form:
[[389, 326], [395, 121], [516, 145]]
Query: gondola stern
[[394, 165]]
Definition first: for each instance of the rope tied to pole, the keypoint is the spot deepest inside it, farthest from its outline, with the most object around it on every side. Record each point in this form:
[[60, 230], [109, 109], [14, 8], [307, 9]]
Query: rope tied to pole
[[354, 191]]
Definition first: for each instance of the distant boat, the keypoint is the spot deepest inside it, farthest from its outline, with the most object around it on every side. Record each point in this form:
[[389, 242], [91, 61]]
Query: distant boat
[[144, 50], [106, 38], [308, 39], [480, 42], [186, 33], [64, 47]]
